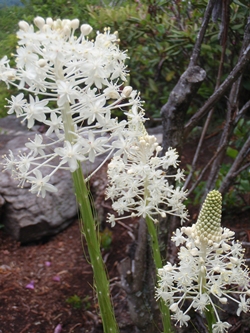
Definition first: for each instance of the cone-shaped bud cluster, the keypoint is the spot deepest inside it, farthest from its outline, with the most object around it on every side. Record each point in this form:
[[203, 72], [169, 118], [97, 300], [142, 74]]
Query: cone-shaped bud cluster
[[211, 267], [208, 226]]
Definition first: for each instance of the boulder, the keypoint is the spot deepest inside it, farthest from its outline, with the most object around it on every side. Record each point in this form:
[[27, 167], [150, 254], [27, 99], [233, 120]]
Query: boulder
[[25, 216]]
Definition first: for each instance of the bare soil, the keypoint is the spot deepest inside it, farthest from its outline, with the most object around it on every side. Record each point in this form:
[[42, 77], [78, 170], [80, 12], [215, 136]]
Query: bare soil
[[49, 283], [41, 309]]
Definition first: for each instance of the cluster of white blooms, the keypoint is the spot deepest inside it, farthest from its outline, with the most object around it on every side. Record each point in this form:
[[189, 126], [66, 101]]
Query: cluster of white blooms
[[139, 180], [72, 85], [209, 262]]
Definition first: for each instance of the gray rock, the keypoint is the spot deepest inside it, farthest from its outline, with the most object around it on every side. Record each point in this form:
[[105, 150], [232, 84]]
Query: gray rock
[[25, 216]]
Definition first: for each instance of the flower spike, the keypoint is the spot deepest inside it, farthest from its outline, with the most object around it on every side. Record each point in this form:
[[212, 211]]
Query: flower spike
[[69, 82], [211, 269], [208, 226]]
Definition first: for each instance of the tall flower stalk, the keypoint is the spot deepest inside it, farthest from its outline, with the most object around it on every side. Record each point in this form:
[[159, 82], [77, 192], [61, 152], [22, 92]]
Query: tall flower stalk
[[164, 309], [72, 85], [139, 186], [211, 270], [89, 230]]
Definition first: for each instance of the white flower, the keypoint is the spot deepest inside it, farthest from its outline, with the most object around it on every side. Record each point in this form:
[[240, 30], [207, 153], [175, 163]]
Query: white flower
[[28, 77], [93, 146], [178, 237], [138, 181], [4, 62], [171, 158], [35, 110], [26, 58], [96, 71], [55, 124], [200, 302], [67, 92], [179, 175], [70, 154], [24, 162], [111, 91], [16, 104], [95, 110], [7, 74], [111, 219], [216, 287], [9, 163], [181, 318], [243, 305], [40, 184], [221, 327], [68, 79], [36, 146]]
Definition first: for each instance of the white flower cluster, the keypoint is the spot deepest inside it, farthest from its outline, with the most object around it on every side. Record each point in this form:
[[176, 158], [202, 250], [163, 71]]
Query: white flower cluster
[[209, 262], [72, 85], [139, 180]]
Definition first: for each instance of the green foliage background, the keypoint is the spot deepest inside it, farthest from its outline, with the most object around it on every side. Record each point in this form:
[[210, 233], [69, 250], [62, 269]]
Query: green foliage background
[[159, 36]]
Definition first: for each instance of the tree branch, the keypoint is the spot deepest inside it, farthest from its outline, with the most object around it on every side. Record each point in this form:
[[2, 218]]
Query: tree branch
[[236, 173], [242, 111], [234, 170], [138, 280], [203, 171], [232, 77], [232, 107], [224, 34], [197, 47], [174, 111]]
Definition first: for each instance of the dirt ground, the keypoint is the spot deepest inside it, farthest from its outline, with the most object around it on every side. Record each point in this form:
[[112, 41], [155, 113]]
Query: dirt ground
[[59, 270], [47, 286]]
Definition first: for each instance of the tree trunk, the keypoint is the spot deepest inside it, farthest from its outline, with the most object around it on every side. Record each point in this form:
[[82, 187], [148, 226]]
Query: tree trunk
[[174, 111], [138, 278]]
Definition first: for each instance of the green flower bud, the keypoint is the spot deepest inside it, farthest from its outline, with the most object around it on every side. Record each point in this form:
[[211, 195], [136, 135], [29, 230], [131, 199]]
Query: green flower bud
[[208, 226]]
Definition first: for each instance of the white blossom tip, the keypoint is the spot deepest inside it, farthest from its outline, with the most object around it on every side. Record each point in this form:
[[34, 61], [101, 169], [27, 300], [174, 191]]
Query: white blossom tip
[[23, 25], [49, 21], [126, 92], [75, 24], [174, 307], [223, 300], [42, 63], [39, 22], [86, 29]]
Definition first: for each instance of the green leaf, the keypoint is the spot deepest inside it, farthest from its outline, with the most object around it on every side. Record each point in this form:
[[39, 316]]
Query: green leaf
[[240, 4], [153, 85], [237, 26], [231, 152], [245, 185], [75, 301]]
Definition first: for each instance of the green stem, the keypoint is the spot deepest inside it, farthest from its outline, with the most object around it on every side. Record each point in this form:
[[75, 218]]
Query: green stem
[[210, 317], [99, 271], [166, 321], [209, 312], [89, 230]]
